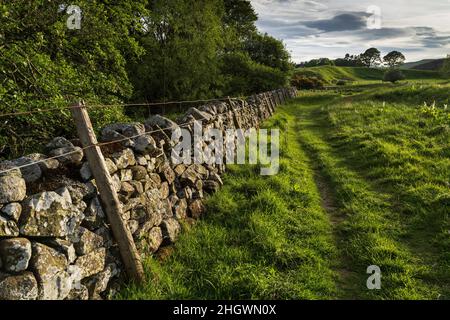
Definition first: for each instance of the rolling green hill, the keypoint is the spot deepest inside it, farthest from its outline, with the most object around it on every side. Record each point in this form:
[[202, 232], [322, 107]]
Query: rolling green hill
[[331, 74], [427, 64]]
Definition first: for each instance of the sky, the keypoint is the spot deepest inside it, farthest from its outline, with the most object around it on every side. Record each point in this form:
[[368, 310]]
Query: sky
[[311, 29]]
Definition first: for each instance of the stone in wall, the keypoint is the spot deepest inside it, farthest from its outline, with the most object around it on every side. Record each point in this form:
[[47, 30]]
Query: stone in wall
[[18, 287], [12, 185], [15, 254], [50, 267], [48, 214]]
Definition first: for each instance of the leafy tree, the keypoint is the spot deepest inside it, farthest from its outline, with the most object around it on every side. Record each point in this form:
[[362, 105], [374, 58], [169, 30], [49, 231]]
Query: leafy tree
[[393, 75], [44, 64], [268, 51], [244, 76], [371, 57], [394, 59], [445, 69], [239, 18], [182, 42]]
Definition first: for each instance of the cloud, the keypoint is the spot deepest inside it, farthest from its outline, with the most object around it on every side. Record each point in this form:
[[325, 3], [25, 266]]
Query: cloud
[[331, 28], [340, 22]]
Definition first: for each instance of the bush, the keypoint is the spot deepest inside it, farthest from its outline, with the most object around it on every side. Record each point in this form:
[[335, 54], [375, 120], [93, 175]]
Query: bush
[[341, 82], [307, 83], [394, 75]]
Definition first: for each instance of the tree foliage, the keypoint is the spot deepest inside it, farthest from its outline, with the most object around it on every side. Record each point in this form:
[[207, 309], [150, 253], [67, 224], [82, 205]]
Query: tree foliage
[[445, 69], [126, 50], [371, 57], [393, 75], [394, 59]]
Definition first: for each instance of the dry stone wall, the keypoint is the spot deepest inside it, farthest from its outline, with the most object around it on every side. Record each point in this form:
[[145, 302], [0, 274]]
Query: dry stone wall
[[55, 241]]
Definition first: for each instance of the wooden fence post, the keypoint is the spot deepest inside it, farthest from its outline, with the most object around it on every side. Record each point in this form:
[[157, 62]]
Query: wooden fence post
[[108, 194]]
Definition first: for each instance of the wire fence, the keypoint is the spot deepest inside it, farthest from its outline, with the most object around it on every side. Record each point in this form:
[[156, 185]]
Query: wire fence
[[117, 105], [101, 144]]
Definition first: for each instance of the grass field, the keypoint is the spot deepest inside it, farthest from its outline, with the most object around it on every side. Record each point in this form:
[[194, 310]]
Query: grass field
[[359, 75], [364, 180]]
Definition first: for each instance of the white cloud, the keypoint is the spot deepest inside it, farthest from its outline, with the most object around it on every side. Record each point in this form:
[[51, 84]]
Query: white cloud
[[419, 28]]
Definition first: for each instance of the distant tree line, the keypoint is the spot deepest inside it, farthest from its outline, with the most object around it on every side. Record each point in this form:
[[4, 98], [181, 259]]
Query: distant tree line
[[370, 58]]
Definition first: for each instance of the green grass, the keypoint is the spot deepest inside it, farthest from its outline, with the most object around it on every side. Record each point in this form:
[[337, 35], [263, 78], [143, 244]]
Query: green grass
[[395, 203], [263, 238], [364, 180], [361, 75]]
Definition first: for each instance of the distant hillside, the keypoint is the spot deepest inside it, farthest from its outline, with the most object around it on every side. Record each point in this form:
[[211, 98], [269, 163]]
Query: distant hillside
[[331, 74], [426, 64]]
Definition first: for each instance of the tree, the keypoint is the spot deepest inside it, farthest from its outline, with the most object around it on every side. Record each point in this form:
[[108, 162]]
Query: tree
[[445, 69], [371, 57], [394, 59], [393, 75], [268, 51], [240, 17], [182, 42], [44, 63]]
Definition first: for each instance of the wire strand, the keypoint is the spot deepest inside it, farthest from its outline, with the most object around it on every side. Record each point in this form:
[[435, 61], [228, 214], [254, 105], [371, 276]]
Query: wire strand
[[107, 143], [100, 106]]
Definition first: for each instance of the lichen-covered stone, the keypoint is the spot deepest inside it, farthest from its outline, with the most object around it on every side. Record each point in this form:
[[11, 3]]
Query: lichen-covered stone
[[133, 226], [18, 287], [106, 235], [93, 215], [63, 246], [156, 122], [79, 292], [59, 142], [145, 145], [85, 172], [179, 169], [190, 176], [44, 163], [211, 186], [8, 227], [68, 155], [164, 190], [170, 229], [166, 209], [196, 209], [126, 175], [168, 174], [87, 241], [121, 131], [12, 211], [15, 254], [98, 283], [91, 263], [138, 187], [49, 214], [127, 189], [124, 159], [180, 209], [50, 267], [139, 173], [154, 239], [32, 172], [12, 185]]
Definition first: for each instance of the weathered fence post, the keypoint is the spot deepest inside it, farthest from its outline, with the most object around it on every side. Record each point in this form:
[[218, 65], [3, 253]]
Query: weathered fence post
[[108, 194]]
